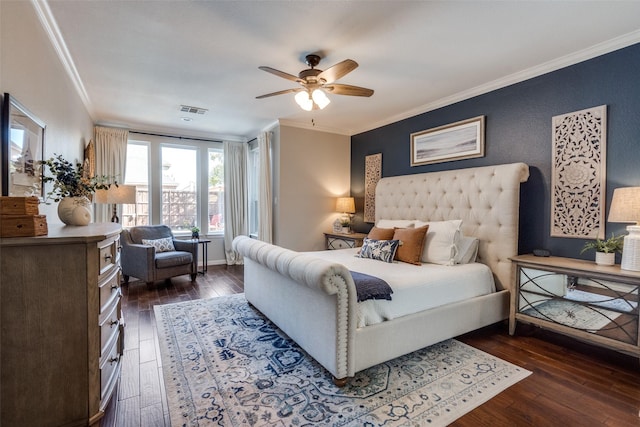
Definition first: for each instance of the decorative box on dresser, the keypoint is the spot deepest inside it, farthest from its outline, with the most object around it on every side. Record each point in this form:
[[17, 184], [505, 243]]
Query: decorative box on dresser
[[62, 328]]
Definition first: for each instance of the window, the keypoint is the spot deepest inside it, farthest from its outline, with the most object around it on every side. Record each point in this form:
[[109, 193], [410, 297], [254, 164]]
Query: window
[[215, 191], [179, 193], [179, 181], [137, 173]]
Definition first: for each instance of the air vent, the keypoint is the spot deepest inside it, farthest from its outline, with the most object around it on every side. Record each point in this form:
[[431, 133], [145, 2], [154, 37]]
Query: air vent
[[192, 110]]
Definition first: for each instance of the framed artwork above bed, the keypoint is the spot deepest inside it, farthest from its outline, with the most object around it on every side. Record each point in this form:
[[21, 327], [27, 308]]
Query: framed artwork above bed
[[455, 141]]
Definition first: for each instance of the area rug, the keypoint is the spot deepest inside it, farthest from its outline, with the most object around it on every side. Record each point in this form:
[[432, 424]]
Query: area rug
[[225, 364]]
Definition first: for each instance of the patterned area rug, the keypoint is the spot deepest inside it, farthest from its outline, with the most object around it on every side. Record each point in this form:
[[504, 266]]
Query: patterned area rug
[[225, 364]]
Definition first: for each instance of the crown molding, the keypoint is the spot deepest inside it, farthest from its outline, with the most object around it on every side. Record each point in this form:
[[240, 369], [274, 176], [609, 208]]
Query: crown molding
[[52, 30], [547, 67], [311, 126]]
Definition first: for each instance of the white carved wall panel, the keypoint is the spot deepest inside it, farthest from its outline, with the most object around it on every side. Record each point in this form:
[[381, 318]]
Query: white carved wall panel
[[579, 173], [372, 174]]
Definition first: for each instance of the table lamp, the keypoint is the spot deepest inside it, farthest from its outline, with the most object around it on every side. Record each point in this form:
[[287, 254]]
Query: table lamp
[[625, 207], [347, 206], [122, 194]]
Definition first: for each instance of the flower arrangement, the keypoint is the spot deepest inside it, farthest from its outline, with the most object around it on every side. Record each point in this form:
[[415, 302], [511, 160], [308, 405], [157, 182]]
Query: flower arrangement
[[612, 245], [71, 180]]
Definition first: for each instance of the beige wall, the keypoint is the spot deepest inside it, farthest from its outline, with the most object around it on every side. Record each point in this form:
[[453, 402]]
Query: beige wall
[[31, 72], [312, 168]]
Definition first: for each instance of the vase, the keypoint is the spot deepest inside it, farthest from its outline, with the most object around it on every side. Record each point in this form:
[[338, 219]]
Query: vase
[[603, 258], [75, 211]]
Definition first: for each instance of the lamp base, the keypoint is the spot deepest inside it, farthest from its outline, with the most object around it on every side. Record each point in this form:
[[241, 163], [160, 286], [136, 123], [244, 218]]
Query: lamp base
[[115, 218], [631, 250]]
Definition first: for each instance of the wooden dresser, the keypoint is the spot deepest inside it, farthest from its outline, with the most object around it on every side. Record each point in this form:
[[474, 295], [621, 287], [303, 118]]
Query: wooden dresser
[[62, 328]]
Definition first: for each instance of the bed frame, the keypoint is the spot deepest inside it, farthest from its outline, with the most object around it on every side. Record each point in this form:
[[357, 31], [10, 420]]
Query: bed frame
[[314, 301]]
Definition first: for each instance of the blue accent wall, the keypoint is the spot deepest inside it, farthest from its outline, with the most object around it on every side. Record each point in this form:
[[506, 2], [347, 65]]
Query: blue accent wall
[[518, 129]]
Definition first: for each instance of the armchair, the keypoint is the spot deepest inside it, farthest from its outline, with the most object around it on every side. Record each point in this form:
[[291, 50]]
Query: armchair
[[151, 263]]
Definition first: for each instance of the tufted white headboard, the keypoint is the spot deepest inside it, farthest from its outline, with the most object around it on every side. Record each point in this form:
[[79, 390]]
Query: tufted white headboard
[[486, 199]]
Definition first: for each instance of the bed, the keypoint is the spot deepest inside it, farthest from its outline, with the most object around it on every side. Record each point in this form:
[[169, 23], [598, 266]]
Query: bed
[[313, 299]]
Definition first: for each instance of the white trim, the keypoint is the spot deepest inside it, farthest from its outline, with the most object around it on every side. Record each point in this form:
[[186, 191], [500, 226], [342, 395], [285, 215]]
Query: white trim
[[50, 26], [305, 125], [547, 67]]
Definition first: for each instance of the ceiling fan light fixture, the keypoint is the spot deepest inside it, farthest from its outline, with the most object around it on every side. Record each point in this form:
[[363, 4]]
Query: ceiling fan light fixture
[[320, 98], [303, 99]]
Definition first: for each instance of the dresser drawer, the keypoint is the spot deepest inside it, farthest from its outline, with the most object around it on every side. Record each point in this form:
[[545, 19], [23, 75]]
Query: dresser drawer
[[110, 326], [109, 256], [109, 290], [110, 364]]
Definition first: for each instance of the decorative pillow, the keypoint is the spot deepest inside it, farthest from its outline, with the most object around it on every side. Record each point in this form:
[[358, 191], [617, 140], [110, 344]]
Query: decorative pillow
[[411, 244], [441, 245], [391, 223], [381, 250], [377, 233], [467, 250], [161, 245]]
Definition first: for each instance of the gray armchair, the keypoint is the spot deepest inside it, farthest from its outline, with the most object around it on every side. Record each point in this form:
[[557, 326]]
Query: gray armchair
[[149, 265]]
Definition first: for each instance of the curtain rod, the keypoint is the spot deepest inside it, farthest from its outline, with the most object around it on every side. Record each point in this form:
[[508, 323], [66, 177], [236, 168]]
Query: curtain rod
[[177, 137]]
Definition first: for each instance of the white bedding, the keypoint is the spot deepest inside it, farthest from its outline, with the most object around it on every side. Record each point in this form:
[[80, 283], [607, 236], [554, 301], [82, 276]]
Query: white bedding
[[415, 288]]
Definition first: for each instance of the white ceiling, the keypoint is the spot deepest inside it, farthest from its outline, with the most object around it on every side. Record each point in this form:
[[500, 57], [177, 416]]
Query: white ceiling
[[136, 62]]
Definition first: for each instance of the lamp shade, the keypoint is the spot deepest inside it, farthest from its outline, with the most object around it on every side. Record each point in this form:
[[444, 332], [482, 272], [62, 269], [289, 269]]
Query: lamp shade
[[625, 205], [122, 194], [346, 205]]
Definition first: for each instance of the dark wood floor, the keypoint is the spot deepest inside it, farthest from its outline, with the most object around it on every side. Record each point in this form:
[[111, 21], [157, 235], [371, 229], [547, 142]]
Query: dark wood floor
[[573, 384]]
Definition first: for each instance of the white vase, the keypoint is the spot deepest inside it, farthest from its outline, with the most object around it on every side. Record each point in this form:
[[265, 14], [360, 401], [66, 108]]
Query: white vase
[[75, 211], [603, 258]]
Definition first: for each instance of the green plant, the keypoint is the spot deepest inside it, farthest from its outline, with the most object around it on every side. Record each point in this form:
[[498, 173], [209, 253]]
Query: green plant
[[71, 180], [195, 230], [611, 245], [345, 222]]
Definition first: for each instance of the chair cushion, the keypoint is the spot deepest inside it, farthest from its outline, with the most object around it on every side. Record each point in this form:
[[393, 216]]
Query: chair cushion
[[173, 259]]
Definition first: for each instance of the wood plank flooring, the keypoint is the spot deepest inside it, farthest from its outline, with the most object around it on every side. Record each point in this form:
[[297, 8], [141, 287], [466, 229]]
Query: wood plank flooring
[[573, 383]]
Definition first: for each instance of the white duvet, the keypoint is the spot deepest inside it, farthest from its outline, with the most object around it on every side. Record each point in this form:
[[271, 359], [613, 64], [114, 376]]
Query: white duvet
[[415, 288]]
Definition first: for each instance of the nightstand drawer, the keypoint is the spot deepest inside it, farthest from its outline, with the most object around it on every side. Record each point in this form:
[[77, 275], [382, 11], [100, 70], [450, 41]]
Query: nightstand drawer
[[343, 240], [338, 243]]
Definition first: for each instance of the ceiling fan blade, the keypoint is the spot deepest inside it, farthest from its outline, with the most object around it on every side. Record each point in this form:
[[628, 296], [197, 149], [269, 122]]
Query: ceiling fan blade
[[281, 74], [282, 92], [340, 89], [341, 69]]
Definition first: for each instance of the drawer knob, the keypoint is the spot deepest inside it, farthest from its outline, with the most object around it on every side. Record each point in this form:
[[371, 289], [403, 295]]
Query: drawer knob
[[114, 286], [107, 257], [114, 359], [114, 322]]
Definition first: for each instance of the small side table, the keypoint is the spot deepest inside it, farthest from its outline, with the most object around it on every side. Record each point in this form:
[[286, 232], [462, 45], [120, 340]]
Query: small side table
[[205, 247], [343, 240]]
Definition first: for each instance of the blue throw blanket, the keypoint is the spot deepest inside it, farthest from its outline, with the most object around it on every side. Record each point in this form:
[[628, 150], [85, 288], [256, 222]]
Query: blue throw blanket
[[371, 287]]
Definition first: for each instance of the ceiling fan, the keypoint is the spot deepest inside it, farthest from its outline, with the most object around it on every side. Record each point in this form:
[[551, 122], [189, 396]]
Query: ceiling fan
[[315, 83]]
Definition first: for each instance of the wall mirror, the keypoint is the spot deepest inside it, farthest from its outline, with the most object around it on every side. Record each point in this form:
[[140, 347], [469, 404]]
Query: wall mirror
[[22, 150]]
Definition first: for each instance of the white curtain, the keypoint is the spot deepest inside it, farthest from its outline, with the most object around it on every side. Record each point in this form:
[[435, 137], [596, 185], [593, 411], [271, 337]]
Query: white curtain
[[265, 206], [111, 157], [235, 197]]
